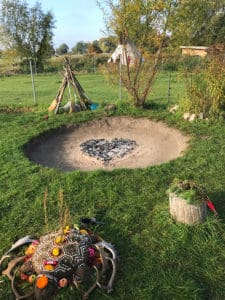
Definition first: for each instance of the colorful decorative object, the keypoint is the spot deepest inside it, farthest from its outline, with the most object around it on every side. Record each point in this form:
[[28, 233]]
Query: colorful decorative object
[[58, 260], [59, 239], [30, 250], [66, 229], [32, 278], [91, 252], [42, 281], [56, 251], [50, 262], [49, 267], [63, 282], [84, 231], [23, 276], [211, 207]]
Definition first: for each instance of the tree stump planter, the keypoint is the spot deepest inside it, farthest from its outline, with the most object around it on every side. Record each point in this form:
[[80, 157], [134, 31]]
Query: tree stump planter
[[186, 213]]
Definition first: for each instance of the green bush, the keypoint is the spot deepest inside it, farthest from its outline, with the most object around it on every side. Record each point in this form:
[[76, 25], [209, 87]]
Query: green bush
[[172, 65], [25, 66], [79, 63], [205, 89], [190, 63], [182, 63]]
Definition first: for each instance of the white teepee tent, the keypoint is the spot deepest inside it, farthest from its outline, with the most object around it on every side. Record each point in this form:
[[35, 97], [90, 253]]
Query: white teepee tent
[[127, 53]]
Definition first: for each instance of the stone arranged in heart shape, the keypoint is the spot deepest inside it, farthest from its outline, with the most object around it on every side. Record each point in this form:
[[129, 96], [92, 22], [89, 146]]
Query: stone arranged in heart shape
[[105, 150]]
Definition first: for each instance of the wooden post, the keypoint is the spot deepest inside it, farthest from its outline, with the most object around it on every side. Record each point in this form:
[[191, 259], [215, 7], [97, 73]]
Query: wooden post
[[187, 213], [120, 78], [169, 88], [32, 79]]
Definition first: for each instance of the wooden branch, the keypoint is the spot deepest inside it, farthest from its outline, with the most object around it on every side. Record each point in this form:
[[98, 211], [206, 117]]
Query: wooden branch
[[60, 93]]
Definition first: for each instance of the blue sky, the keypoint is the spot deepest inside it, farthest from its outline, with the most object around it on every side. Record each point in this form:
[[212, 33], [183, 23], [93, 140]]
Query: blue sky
[[76, 20]]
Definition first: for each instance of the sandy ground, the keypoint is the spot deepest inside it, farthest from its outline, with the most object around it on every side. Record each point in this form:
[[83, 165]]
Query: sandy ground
[[156, 144]]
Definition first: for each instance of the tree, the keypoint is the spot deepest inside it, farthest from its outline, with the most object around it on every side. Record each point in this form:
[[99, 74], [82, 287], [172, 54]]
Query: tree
[[63, 49], [145, 23], [29, 31], [198, 22], [11, 59], [93, 48], [107, 44], [80, 48]]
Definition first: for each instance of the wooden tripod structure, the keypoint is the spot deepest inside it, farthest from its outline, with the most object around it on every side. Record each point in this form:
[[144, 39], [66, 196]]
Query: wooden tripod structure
[[70, 80]]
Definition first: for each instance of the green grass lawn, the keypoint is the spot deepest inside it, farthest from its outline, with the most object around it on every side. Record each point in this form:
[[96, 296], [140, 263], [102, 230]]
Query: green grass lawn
[[158, 258], [17, 90]]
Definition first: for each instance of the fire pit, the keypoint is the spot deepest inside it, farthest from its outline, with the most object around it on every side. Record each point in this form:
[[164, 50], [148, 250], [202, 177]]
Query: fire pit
[[115, 142], [108, 150]]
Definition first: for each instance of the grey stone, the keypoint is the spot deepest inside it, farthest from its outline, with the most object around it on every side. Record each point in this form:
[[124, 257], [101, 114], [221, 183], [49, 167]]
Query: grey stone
[[201, 116], [174, 109], [192, 117], [186, 116], [110, 107]]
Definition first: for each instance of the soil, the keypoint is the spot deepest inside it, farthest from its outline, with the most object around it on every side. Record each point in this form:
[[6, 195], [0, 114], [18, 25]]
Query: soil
[[156, 143]]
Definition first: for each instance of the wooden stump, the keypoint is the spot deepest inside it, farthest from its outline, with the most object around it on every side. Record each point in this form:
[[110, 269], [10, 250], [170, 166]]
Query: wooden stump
[[186, 213]]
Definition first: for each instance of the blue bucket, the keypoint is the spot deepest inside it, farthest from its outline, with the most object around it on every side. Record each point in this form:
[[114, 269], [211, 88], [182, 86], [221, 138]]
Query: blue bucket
[[94, 106]]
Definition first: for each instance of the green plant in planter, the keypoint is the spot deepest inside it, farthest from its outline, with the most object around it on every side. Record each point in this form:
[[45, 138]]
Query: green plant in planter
[[187, 190]]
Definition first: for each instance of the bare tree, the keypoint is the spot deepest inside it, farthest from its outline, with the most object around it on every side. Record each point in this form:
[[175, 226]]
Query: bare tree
[[145, 23], [26, 30]]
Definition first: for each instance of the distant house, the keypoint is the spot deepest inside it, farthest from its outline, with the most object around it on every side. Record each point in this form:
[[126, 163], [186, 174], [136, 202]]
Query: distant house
[[194, 50]]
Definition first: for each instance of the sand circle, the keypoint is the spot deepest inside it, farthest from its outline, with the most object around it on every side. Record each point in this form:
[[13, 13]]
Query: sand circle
[[155, 143]]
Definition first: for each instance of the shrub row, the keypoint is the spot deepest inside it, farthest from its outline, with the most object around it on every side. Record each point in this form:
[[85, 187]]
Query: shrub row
[[91, 63], [80, 63]]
